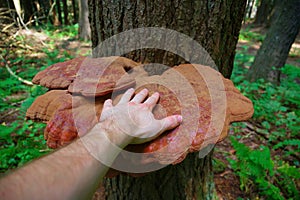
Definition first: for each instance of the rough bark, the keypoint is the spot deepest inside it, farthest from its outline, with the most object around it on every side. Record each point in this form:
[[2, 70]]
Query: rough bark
[[263, 12], [215, 25], [192, 179], [274, 50], [84, 24]]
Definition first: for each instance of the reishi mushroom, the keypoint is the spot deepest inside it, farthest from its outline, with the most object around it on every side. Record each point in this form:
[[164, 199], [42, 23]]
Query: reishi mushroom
[[208, 102]]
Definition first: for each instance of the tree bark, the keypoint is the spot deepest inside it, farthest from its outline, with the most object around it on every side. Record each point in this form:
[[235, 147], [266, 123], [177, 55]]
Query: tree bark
[[274, 50], [213, 24], [192, 179], [263, 12], [84, 24]]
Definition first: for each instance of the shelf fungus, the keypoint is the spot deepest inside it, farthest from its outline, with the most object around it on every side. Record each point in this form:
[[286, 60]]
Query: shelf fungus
[[207, 101]]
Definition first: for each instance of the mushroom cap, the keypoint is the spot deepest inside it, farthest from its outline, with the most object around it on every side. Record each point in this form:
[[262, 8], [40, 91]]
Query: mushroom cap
[[44, 106], [100, 76], [88, 76], [74, 117], [60, 75]]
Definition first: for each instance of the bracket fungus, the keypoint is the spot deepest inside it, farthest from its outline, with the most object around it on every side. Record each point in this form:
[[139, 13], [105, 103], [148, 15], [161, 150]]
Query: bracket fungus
[[208, 102]]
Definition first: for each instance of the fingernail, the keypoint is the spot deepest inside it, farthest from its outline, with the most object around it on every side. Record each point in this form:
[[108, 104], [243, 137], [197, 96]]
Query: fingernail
[[179, 118]]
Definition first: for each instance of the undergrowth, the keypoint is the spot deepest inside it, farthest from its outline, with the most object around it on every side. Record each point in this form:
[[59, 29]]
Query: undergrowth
[[22, 140], [272, 169]]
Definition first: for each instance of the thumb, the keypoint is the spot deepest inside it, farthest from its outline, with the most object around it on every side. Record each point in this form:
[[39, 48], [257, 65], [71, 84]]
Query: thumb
[[170, 122]]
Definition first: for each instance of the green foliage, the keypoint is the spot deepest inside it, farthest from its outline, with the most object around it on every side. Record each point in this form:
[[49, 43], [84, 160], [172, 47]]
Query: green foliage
[[54, 32], [272, 168], [23, 140], [251, 36], [21, 143]]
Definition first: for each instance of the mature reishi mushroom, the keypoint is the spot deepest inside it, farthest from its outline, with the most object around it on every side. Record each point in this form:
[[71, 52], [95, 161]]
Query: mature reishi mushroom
[[59, 75], [88, 76], [84, 112], [100, 76], [75, 116], [44, 106]]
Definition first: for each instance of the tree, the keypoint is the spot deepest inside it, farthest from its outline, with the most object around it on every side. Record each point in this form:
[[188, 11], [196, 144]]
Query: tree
[[74, 7], [215, 25], [84, 24], [263, 11], [275, 48], [66, 13], [249, 8]]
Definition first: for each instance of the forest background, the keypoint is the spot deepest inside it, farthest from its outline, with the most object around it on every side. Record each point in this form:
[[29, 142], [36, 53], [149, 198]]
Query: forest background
[[259, 158]]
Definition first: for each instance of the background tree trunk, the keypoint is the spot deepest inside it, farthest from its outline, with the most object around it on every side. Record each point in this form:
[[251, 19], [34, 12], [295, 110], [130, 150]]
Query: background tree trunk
[[58, 8], [215, 25], [249, 7], [28, 8], [84, 24], [75, 15], [66, 13], [276, 46], [263, 11]]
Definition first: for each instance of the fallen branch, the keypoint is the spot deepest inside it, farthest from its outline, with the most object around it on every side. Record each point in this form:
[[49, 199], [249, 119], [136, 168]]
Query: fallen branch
[[259, 131], [7, 27], [14, 75], [8, 113]]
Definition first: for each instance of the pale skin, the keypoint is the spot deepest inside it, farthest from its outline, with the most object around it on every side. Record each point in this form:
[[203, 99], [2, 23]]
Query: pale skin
[[72, 172]]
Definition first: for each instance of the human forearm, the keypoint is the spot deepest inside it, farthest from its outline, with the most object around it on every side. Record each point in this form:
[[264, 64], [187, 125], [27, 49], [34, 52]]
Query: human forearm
[[74, 172], [69, 173]]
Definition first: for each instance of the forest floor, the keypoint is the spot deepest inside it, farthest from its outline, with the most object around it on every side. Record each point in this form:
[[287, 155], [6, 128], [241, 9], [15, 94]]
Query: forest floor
[[226, 182]]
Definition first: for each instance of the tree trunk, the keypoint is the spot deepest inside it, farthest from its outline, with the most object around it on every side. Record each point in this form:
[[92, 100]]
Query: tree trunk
[[263, 12], [28, 8], [66, 13], [74, 7], [249, 7], [274, 50], [84, 24], [215, 25], [59, 21], [192, 179]]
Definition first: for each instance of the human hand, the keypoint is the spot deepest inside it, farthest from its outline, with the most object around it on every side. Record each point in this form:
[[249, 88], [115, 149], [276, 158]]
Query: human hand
[[131, 121]]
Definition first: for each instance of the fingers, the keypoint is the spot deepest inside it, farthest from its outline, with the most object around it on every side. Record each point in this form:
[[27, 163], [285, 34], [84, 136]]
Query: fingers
[[107, 104], [171, 122], [152, 100], [127, 96], [139, 97], [105, 110]]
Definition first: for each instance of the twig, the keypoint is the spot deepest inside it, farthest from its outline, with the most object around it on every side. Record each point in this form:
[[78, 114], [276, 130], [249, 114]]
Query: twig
[[7, 27], [14, 75], [257, 130], [8, 113]]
